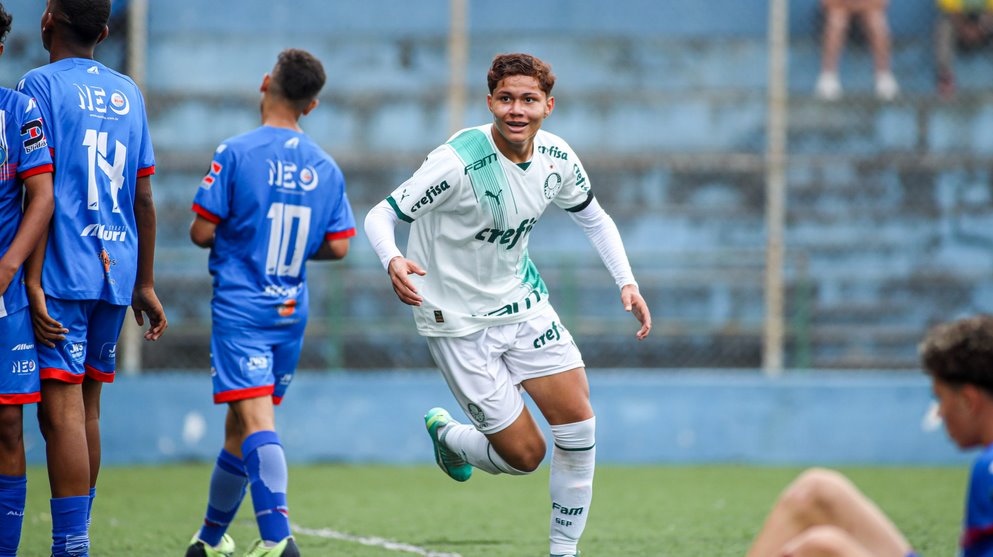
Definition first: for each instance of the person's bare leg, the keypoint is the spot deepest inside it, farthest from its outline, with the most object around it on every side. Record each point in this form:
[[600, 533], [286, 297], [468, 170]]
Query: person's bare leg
[[836, 19], [61, 416], [877, 30], [12, 462], [826, 498], [91, 405]]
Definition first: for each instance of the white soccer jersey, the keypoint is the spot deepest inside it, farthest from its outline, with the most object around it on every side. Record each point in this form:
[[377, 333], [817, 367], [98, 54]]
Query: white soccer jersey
[[472, 210]]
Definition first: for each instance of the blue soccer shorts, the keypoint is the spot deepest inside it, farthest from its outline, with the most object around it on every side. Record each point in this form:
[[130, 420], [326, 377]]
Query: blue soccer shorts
[[252, 363], [90, 346], [19, 379]]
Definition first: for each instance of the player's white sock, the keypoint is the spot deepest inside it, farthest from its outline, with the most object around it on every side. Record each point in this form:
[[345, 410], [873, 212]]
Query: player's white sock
[[476, 449], [571, 483]]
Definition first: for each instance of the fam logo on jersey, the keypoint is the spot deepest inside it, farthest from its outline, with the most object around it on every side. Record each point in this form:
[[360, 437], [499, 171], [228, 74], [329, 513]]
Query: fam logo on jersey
[[508, 237], [75, 351], [480, 164], [32, 136], [430, 195], [105, 233], [212, 175], [287, 175], [553, 183], [255, 364]]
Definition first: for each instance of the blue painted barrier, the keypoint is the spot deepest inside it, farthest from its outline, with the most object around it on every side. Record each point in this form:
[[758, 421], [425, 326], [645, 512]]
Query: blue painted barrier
[[828, 418]]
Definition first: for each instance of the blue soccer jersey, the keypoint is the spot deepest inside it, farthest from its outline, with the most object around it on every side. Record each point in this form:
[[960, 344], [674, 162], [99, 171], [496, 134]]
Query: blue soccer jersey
[[977, 535], [94, 119], [275, 197], [23, 153]]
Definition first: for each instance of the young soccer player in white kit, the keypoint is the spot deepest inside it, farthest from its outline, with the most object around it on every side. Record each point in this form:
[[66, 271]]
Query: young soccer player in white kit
[[482, 306]]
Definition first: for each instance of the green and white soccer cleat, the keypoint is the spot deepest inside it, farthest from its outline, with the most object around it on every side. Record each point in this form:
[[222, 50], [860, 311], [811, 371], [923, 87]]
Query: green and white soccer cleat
[[199, 548], [285, 548], [449, 461]]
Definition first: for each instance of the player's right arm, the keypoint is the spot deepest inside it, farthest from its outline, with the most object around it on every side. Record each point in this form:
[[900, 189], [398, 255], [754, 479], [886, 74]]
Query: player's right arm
[[430, 189], [380, 228]]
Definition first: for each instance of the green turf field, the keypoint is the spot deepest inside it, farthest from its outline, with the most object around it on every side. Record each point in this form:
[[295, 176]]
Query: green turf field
[[707, 511]]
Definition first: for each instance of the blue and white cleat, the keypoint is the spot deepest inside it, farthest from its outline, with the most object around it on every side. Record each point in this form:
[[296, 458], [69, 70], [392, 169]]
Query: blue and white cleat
[[449, 461]]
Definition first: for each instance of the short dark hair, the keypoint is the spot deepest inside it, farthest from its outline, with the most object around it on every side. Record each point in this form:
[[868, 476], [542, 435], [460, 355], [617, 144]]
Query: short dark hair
[[507, 65], [961, 352], [5, 22], [298, 77], [84, 19]]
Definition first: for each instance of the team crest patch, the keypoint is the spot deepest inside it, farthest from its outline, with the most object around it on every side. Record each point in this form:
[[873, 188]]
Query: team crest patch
[[477, 414], [553, 183]]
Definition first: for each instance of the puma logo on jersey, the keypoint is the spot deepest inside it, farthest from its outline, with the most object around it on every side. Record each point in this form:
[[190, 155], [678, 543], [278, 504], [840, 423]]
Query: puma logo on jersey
[[510, 236], [495, 196]]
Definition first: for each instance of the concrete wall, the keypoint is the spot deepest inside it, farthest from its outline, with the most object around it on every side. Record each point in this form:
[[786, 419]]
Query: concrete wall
[[643, 418]]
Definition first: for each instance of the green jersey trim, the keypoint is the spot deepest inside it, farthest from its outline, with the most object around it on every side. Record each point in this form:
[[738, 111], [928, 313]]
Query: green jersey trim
[[531, 277], [396, 209], [482, 166]]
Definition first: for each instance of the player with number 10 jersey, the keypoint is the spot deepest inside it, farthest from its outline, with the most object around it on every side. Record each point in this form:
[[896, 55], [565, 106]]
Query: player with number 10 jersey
[[276, 198], [92, 248]]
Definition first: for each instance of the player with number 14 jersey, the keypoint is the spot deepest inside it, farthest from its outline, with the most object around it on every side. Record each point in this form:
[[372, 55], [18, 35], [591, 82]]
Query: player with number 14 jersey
[[92, 248]]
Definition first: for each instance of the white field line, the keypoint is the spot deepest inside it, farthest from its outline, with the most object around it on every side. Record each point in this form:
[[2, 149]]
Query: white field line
[[375, 541]]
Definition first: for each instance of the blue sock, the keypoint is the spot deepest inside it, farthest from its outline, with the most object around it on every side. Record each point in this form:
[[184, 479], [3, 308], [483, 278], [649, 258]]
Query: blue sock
[[69, 535], [13, 492], [227, 488], [89, 507], [266, 467]]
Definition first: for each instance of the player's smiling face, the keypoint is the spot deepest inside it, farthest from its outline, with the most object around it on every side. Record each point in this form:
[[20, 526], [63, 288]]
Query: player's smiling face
[[519, 107]]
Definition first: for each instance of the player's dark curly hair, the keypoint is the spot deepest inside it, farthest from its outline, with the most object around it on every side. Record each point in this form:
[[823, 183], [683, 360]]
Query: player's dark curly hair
[[84, 19], [506, 65], [961, 352], [298, 77], [5, 22]]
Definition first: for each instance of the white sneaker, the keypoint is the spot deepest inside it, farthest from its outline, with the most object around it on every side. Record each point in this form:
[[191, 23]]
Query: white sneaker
[[828, 87], [886, 86]]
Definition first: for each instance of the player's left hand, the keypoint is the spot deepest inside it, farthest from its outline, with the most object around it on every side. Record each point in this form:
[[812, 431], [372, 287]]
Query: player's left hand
[[144, 300], [634, 303]]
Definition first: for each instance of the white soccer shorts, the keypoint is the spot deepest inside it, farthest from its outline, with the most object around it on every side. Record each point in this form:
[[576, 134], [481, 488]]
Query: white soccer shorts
[[484, 369]]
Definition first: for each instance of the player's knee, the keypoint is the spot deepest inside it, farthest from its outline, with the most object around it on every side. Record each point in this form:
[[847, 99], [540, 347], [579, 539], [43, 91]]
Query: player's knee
[[814, 495], [11, 431], [821, 541], [527, 457]]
